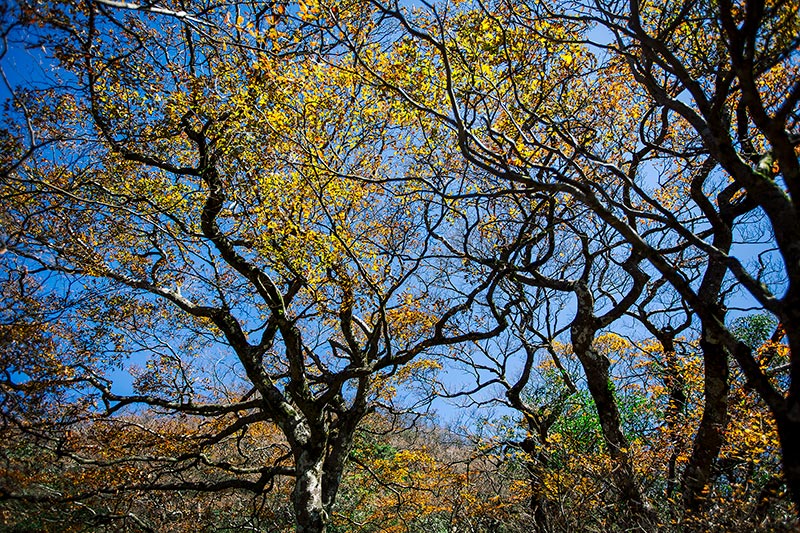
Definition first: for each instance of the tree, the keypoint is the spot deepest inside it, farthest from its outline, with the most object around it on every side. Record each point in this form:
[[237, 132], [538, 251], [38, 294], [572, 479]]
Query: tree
[[745, 96], [673, 123], [182, 208], [559, 257]]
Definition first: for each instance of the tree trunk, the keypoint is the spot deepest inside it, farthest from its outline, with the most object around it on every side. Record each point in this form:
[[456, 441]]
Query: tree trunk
[[536, 465], [789, 434], [307, 494], [709, 438], [676, 404], [596, 367]]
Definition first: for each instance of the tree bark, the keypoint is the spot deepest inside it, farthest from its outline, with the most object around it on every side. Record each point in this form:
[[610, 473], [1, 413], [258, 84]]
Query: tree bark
[[676, 404], [788, 424], [307, 494], [709, 438], [596, 367], [537, 465]]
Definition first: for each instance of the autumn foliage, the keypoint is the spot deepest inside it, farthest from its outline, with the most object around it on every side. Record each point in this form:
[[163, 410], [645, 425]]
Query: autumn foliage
[[395, 267]]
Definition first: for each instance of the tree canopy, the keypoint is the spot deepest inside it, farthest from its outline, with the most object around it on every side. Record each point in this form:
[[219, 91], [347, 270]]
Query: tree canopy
[[248, 247]]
